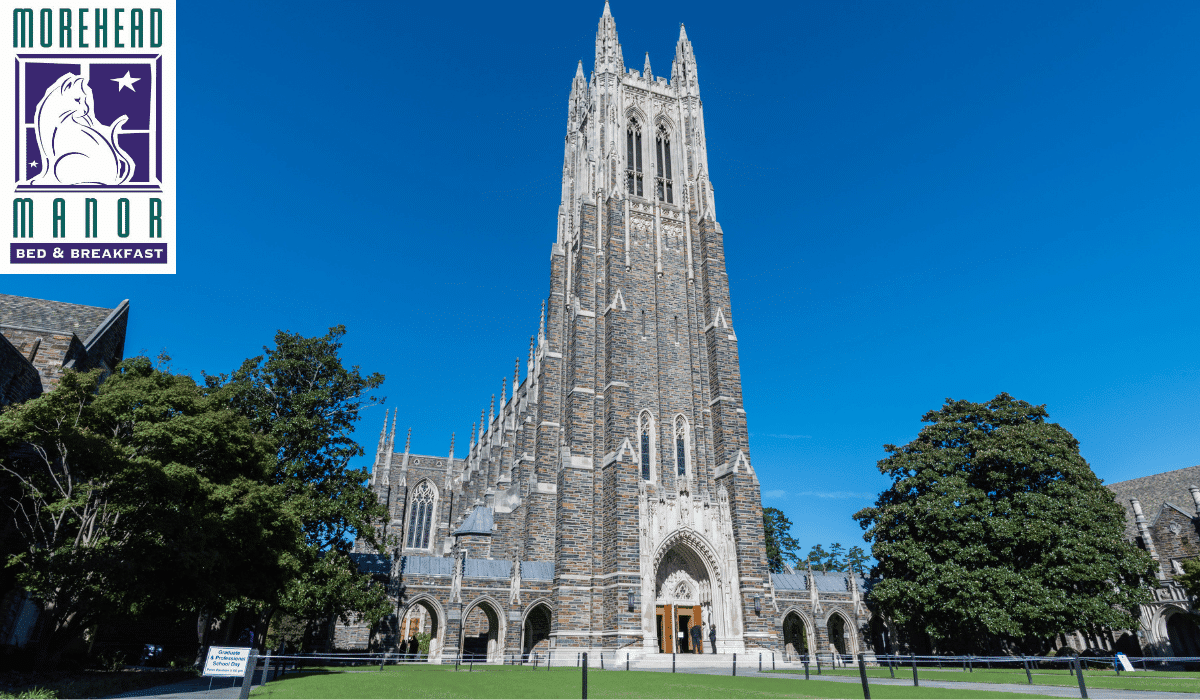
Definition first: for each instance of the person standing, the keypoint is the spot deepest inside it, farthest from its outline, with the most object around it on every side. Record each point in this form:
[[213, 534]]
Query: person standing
[[712, 638]]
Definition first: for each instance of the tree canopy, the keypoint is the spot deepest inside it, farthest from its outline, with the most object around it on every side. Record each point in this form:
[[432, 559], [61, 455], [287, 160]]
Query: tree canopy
[[777, 530], [306, 402], [996, 534], [135, 494]]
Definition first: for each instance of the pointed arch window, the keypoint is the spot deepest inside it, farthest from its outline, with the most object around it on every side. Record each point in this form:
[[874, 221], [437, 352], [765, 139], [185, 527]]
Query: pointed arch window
[[633, 157], [682, 444], [646, 445], [420, 515], [665, 184]]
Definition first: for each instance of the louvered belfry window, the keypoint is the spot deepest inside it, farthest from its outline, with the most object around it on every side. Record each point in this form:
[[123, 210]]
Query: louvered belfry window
[[664, 182], [633, 158]]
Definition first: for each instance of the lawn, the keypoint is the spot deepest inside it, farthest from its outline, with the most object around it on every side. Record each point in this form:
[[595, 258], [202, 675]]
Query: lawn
[[423, 681], [1169, 681]]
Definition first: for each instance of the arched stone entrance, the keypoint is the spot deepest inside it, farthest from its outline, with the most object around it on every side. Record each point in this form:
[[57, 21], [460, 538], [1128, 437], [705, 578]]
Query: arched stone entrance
[[536, 637], [795, 634], [1184, 635], [483, 633], [839, 634], [422, 616], [682, 602]]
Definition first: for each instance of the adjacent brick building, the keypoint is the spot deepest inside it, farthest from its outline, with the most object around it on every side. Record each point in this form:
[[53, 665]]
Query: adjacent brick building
[[607, 499]]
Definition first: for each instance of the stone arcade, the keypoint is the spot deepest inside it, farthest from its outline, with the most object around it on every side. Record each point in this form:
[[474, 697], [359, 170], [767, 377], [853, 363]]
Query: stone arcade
[[608, 500]]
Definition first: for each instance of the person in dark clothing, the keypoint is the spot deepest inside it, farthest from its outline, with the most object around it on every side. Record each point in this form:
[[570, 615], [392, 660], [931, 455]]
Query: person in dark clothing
[[712, 638], [697, 637]]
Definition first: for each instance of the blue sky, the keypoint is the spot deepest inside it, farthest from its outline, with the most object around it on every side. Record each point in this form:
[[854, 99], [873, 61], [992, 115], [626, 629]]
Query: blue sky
[[921, 200]]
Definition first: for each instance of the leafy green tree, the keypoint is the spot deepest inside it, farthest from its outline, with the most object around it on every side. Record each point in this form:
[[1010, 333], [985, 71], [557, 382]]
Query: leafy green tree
[[1190, 579], [780, 543], [996, 534], [300, 395], [136, 494], [836, 552], [858, 560], [818, 558]]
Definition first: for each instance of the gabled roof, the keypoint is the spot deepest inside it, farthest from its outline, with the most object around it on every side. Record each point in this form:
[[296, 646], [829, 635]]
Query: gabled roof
[[479, 522], [790, 582], [45, 315]]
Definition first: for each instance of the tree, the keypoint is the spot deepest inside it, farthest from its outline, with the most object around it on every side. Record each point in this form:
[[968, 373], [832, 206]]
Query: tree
[[301, 396], [136, 494], [836, 552], [858, 560], [777, 530], [818, 558], [1190, 579], [995, 533]]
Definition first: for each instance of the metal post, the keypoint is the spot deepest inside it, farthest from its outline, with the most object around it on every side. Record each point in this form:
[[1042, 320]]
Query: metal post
[[735, 663], [772, 661], [601, 661], [913, 658], [626, 661], [1028, 675], [818, 657], [267, 668], [1079, 675], [472, 666], [805, 667], [381, 662], [891, 666], [1071, 667], [970, 665], [672, 662], [248, 678], [862, 672], [584, 662], [760, 662]]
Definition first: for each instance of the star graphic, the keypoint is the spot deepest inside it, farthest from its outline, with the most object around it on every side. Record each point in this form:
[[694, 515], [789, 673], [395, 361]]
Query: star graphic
[[126, 82], [33, 164]]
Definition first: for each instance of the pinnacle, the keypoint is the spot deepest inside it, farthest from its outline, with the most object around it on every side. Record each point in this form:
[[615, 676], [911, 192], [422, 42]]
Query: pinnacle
[[606, 12], [579, 69], [682, 33], [646, 72]]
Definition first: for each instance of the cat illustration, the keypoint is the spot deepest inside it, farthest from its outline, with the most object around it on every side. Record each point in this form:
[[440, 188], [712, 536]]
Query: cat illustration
[[77, 149]]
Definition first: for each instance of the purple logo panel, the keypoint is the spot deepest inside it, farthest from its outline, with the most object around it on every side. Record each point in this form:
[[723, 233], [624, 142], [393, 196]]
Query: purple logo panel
[[91, 253]]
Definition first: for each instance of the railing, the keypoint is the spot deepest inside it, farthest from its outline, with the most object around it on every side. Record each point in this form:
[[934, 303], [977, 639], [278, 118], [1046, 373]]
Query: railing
[[272, 666]]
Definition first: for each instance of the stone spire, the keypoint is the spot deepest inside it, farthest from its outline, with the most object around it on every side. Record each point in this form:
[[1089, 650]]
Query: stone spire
[[541, 337], [483, 427], [608, 49], [1144, 531], [646, 69], [471, 445], [383, 432], [451, 457], [407, 443], [516, 376], [492, 412], [683, 68], [392, 436], [529, 363], [504, 392]]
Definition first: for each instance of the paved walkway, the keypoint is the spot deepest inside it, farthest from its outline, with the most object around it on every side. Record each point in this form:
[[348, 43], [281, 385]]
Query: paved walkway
[[198, 688]]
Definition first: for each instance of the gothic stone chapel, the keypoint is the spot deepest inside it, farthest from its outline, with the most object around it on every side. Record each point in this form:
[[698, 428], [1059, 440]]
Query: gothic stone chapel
[[608, 502]]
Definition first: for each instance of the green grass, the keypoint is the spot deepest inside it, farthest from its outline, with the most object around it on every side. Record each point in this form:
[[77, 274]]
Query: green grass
[[423, 681], [1169, 681]]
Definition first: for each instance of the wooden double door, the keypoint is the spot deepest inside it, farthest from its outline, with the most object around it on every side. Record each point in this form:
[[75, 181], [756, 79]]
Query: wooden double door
[[675, 624]]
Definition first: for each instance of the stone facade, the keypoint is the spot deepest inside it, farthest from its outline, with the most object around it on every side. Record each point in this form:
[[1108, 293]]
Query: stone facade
[[608, 498], [44, 338], [1162, 516]]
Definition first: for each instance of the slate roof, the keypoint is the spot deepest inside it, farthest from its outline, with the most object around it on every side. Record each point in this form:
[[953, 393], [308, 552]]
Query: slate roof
[[790, 582], [44, 315], [430, 566], [488, 568], [479, 522], [537, 570], [368, 563], [1153, 491]]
